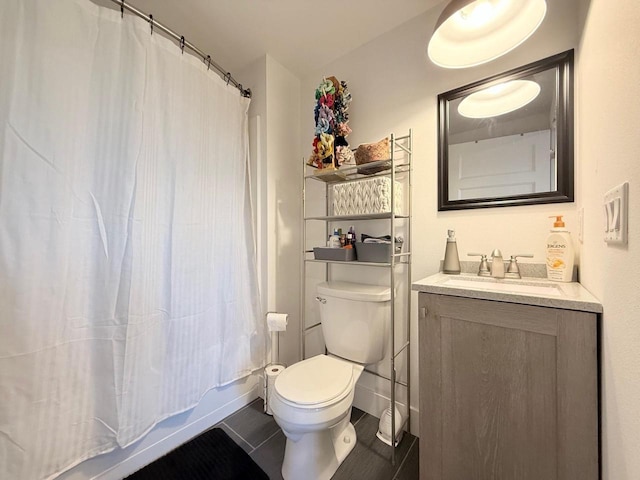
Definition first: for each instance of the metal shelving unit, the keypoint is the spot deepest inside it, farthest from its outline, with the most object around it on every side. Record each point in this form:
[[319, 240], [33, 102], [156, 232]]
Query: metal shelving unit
[[400, 146]]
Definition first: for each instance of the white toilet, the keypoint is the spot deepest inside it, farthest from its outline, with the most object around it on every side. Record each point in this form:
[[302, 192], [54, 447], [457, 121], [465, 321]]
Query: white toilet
[[312, 398]]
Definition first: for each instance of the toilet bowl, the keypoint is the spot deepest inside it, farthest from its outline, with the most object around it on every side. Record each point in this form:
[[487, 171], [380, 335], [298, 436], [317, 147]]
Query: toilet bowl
[[312, 404], [312, 399]]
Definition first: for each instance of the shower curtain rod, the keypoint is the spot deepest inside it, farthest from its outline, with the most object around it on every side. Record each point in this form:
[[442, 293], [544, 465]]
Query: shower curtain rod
[[226, 76]]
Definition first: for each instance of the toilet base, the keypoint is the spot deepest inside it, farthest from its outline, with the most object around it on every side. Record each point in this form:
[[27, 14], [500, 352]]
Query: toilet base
[[317, 455]]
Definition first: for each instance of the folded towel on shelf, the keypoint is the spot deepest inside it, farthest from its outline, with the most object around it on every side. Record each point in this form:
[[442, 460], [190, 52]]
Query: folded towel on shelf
[[364, 238]]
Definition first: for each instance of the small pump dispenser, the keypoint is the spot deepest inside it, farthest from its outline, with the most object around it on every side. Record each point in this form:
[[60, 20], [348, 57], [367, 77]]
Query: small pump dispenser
[[451, 261], [560, 254]]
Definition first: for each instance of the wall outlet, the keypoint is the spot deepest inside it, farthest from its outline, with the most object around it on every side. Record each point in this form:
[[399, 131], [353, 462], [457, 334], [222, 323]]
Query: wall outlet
[[616, 213]]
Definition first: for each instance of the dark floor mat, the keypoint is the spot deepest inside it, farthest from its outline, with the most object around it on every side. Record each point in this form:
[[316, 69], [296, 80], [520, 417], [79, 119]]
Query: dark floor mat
[[210, 456]]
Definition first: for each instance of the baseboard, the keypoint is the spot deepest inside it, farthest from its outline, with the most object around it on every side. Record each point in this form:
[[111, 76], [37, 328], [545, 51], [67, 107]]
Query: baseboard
[[169, 434], [375, 403]]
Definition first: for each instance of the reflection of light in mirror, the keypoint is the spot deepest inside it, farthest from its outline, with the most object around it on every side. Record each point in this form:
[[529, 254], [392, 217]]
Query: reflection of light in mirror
[[497, 89], [470, 33], [499, 99]]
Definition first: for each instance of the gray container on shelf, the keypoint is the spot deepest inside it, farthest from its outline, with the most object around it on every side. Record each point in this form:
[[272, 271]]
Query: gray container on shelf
[[334, 254], [376, 252], [451, 263]]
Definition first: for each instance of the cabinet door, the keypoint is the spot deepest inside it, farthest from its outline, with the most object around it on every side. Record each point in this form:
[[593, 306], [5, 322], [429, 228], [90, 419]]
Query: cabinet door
[[507, 391]]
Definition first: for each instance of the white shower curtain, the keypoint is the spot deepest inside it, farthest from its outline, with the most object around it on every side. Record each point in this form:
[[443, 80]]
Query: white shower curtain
[[127, 276]]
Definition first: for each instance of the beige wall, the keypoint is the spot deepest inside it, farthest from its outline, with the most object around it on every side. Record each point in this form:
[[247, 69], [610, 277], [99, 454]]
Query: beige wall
[[394, 88], [608, 149], [284, 170], [276, 174]]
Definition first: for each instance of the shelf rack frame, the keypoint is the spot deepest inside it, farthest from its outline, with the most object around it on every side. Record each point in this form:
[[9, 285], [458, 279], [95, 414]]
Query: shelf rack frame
[[402, 144]]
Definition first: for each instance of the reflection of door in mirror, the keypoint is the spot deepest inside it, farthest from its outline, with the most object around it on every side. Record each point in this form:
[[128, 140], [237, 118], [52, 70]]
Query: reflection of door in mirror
[[506, 153], [498, 167]]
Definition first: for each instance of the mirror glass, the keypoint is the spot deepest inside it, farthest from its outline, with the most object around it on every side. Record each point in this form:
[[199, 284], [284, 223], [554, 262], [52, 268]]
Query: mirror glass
[[508, 140]]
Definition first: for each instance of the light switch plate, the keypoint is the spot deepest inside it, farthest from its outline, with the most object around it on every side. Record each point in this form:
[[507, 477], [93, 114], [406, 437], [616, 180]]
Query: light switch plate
[[616, 214]]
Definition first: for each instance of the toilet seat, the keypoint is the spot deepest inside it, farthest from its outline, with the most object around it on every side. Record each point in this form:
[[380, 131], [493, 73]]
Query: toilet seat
[[315, 382]]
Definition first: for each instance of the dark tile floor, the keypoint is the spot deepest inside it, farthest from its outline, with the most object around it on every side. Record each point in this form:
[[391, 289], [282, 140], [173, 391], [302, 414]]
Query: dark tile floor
[[259, 435]]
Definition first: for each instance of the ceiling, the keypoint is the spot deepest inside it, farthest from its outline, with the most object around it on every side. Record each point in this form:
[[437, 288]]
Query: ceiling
[[301, 34]]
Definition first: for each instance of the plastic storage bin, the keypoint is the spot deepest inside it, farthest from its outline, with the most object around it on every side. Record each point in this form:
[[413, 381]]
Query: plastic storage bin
[[376, 252], [335, 254]]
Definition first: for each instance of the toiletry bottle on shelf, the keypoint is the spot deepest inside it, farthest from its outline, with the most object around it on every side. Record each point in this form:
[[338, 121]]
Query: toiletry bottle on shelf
[[560, 254], [351, 236], [451, 261], [334, 240]]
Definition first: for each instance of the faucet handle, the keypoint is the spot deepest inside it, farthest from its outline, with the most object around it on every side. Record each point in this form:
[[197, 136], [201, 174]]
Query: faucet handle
[[523, 255], [483, 271], [512, 270]]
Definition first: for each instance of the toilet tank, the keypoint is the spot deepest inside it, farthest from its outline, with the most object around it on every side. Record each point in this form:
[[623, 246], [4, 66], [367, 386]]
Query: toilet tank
[[355, 320]]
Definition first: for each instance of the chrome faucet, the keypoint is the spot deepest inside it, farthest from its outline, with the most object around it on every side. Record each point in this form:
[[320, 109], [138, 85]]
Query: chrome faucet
[[512, 270], [496, 267], [497, 264], [483, 271]]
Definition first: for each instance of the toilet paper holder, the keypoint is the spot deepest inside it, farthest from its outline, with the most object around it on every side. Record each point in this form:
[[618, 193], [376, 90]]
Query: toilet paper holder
[[276, 322]]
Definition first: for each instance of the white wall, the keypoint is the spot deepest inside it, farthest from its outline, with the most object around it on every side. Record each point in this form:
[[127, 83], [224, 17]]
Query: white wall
[[394, 88], [275, 107], [254, 76], [608, 149], [284, 172]]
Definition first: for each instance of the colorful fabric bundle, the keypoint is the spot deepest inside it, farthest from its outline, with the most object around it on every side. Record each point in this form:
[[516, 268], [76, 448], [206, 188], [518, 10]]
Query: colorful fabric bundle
[[330, 147]]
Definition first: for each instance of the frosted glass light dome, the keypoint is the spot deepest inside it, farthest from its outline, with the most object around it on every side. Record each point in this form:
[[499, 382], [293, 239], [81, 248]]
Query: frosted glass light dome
[[469, 33], [499, 99]]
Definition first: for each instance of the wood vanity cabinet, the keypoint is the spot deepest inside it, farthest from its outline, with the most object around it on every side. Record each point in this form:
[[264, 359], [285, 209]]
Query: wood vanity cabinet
[[507, 391]]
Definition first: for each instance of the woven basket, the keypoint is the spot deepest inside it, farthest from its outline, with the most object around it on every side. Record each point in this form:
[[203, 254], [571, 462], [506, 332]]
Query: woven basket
[[373, 152], [366, 196]]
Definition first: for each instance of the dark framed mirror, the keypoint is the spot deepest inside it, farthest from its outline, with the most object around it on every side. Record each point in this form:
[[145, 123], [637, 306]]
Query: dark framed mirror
[[508, 139]]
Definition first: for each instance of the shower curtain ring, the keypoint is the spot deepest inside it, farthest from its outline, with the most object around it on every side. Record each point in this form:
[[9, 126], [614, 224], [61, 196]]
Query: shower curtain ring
[[182, 44], [122, 9], [208, 62], [228, 77], [151, 23]]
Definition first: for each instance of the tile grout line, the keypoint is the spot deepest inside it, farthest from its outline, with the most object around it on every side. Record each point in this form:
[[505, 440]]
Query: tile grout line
[[242, 409], [237, 412], [240, 436], [265, 441], [405, 458], [361, 417]]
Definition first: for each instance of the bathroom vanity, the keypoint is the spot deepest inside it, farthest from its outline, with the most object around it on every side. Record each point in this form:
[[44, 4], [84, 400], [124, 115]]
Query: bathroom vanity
[[508, 379]]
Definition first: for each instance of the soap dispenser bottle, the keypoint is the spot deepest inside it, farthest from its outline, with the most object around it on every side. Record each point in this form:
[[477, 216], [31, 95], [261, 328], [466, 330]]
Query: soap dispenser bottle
[[451, 261], [560, 254]]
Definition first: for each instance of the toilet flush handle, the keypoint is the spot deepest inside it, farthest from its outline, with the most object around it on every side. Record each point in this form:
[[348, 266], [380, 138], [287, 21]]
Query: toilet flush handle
[[321, 300]]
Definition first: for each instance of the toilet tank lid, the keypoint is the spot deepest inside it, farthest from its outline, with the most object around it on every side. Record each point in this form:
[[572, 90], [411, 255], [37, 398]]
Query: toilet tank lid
[[354, 291]]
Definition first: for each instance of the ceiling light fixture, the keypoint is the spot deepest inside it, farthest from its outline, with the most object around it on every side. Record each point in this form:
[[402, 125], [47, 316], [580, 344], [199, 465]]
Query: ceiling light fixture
[[499, 99], [469, 33]]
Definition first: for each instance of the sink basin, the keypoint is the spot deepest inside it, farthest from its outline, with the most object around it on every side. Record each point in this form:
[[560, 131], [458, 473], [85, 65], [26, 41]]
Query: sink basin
[[493, 285], [525, 291]]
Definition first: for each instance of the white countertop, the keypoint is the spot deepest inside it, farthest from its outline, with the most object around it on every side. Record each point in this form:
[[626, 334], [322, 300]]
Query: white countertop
[[526, 291]]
